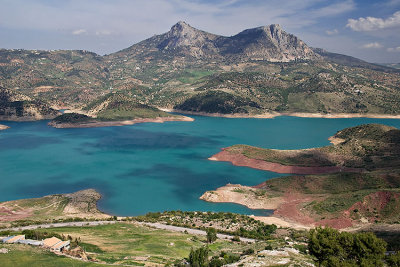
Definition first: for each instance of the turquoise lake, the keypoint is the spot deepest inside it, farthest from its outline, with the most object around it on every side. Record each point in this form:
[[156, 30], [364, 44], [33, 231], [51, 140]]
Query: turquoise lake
[[149, 166]]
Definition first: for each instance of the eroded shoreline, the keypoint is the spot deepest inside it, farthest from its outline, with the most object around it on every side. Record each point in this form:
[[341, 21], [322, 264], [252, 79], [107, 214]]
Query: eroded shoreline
[[241, 160]]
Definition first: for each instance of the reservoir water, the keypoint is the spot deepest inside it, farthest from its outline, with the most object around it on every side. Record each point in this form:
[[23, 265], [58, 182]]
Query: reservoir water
[[149, 166]]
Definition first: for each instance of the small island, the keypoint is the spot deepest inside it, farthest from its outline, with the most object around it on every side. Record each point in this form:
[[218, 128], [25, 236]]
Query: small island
[[3, 127], [114, 110], [350, 183]]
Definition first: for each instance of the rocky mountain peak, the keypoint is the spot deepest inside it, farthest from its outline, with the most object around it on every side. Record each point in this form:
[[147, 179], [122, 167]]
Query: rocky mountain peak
[[184, 36], [182, 29]]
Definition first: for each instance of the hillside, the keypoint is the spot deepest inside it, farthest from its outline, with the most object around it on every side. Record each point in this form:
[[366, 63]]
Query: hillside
[[114, 109], [59, 77], [19, 107], [271, 69], [354, 181], [122, 107]]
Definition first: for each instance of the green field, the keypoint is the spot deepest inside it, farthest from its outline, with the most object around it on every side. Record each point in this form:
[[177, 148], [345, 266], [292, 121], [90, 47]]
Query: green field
[[24, 255], [120, 243]]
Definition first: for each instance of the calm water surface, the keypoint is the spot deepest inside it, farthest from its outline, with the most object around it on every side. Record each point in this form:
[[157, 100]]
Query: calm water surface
[[149, 167]]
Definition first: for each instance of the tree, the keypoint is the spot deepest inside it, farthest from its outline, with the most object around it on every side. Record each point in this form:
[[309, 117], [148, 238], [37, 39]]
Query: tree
[[332, 248], [211, 235], [199, 257]]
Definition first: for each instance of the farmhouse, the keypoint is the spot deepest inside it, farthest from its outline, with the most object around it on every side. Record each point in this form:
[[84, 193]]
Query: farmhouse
[[55, 244]]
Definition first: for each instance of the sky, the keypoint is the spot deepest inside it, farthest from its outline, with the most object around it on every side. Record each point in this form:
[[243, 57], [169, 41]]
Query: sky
[[365, 29]]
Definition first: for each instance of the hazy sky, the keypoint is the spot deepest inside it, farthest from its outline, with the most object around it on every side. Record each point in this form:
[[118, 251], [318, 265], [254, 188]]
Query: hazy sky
[[366, 29]]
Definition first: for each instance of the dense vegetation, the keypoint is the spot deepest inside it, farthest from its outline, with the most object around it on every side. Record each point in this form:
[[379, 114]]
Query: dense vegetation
[[223, 222], [333, 248], [72, 118], [217, 102]]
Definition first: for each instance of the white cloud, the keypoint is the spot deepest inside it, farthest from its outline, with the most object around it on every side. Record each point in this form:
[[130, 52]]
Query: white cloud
[[373, 24], [373, 45], [393, 49], [332, 32], [79, 32]]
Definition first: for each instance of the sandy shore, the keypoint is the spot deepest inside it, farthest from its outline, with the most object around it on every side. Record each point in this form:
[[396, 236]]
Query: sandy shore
[[3, 127], [118, 123], [271, 115], [243, 195], [241, 160], [246, 196]]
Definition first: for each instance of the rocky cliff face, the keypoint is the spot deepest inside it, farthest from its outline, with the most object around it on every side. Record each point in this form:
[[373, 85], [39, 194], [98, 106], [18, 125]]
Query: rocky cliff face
[[269, 43]]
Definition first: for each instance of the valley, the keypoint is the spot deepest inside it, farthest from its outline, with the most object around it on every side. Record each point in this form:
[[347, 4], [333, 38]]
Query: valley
[[252, 179]]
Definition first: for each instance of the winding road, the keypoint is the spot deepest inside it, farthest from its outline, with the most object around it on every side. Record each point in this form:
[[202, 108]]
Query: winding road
[[153, 225]]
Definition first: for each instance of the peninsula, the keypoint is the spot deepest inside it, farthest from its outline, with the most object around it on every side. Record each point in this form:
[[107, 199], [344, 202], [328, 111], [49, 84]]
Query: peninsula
[[354, 181]]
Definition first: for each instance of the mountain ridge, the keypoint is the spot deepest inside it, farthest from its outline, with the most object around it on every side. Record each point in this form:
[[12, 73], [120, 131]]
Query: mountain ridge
[[269, 43]]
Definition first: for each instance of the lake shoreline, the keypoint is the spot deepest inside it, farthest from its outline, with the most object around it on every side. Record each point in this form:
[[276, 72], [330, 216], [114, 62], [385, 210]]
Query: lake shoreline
[[96, 124], [271, 115]]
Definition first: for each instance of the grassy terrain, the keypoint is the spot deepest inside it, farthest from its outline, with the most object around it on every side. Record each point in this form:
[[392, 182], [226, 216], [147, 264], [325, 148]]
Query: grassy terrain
[[24, 255], [122, 242], [309, 158]]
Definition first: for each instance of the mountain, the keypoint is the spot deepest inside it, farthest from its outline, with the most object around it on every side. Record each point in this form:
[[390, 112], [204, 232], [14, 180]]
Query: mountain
[[269, 43], [259, 70]]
